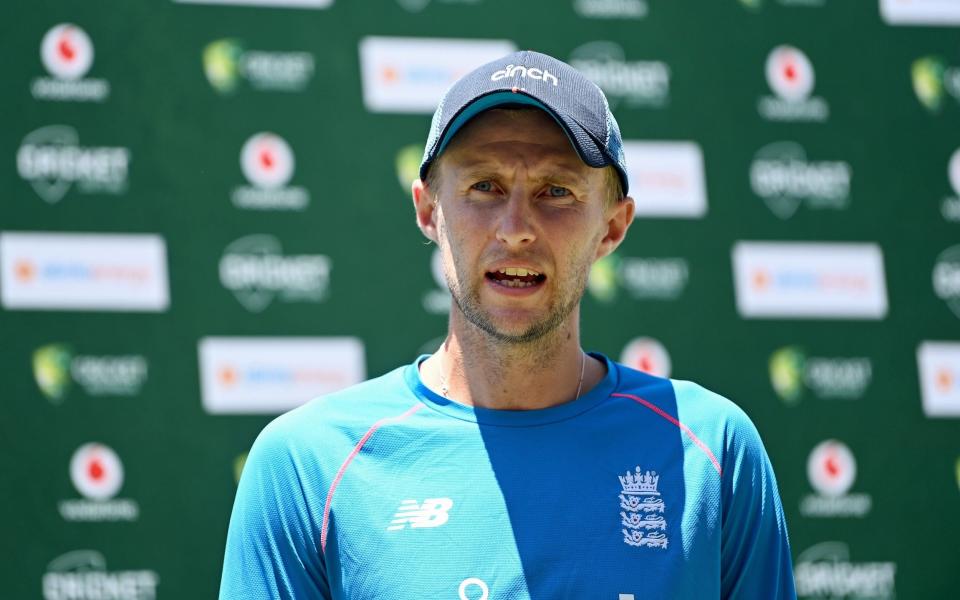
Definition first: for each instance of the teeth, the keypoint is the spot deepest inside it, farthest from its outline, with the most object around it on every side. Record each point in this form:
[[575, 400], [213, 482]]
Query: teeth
[[518, 272], [516, 283]]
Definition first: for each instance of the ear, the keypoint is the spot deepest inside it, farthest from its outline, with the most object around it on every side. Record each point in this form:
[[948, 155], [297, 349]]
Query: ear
[[619, 218], [426, 209]]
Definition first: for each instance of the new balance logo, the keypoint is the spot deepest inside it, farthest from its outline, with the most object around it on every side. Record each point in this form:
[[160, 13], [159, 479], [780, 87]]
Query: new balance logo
[[532, 73], [432, 513]]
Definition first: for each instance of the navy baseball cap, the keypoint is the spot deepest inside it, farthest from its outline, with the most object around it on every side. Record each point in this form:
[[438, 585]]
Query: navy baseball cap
[[533, 79]]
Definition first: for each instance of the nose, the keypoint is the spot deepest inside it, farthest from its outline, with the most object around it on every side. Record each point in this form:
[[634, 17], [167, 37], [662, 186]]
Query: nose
[[515, 227]]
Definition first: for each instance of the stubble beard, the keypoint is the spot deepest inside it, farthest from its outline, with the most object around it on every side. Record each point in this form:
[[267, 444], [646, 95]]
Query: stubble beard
[[468, 302]]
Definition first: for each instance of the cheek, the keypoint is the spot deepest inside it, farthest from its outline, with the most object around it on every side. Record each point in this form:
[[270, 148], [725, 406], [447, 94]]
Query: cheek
[[456, 253]]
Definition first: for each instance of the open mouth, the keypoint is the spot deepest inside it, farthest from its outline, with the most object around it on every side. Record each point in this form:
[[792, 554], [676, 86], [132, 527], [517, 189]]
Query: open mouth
[[516, 277]]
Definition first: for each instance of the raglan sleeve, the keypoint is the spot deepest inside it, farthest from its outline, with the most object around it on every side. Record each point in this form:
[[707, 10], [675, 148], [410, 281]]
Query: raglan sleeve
[[273, 541], [755, 549]]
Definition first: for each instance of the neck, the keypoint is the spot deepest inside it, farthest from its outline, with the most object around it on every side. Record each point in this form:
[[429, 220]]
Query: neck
[[479, 370]]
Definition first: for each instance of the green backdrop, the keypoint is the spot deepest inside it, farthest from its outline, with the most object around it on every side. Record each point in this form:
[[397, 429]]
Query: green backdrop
[[175, 90]]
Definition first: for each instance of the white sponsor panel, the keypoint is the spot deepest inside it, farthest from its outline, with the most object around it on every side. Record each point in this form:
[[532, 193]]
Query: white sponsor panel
[[939, 365], [809, 280], [83, 271], [826, 571], [416, 6], [410, 75], [266, 3], [920, 12], [666, 179], [83, 575], [264, 375], [611, 9]]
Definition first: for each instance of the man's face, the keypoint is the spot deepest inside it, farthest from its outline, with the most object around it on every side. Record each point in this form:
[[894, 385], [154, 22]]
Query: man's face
[[519, 220]]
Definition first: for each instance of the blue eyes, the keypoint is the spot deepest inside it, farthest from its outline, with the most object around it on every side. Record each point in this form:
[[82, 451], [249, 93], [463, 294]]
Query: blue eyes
[[483, 186], [554, 191]]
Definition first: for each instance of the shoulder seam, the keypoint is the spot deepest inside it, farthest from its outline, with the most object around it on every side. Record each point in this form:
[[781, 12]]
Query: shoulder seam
[[346, 463], [662, 413]]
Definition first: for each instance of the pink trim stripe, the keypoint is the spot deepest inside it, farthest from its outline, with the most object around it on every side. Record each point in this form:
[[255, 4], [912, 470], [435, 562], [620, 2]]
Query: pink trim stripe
[[346, 463], [684, 428]]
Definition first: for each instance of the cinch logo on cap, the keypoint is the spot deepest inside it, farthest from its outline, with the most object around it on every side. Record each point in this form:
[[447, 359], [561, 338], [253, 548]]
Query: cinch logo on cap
[[532, 72]]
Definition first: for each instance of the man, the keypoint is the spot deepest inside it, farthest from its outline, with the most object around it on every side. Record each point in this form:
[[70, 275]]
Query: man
[[510, 463]]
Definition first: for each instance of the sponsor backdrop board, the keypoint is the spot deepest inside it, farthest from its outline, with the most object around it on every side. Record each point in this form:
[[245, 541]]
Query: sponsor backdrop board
[[205, 221]]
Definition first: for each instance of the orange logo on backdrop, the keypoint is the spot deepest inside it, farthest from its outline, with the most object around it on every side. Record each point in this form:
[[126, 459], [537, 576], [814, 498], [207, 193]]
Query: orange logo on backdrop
[[761, 279], [944, 380], [24, 270], [228, 376]]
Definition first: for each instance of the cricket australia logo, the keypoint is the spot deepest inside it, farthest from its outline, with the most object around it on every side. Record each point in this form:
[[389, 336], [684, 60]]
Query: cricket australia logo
[[642, 516], [434, 512]]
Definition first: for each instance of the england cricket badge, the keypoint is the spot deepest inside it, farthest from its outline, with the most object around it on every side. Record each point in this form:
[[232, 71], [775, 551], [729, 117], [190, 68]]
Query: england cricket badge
[[642, 514]]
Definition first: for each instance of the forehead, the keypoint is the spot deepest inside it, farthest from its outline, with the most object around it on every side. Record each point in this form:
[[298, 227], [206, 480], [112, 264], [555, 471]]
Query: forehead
[[512, 133]]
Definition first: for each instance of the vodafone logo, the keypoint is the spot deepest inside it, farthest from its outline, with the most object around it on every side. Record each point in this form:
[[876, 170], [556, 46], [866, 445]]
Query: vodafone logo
[[790, 76], [789, 73], [831, 468], [648, 355], [267, 161], [96, 471], [268, 164], [67, 52]]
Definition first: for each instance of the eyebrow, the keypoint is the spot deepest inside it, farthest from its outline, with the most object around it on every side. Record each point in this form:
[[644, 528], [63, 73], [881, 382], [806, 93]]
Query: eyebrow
[[554, 174]]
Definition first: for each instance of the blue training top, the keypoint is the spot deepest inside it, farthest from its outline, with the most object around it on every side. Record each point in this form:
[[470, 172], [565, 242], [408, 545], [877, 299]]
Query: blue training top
[[642, 488]]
